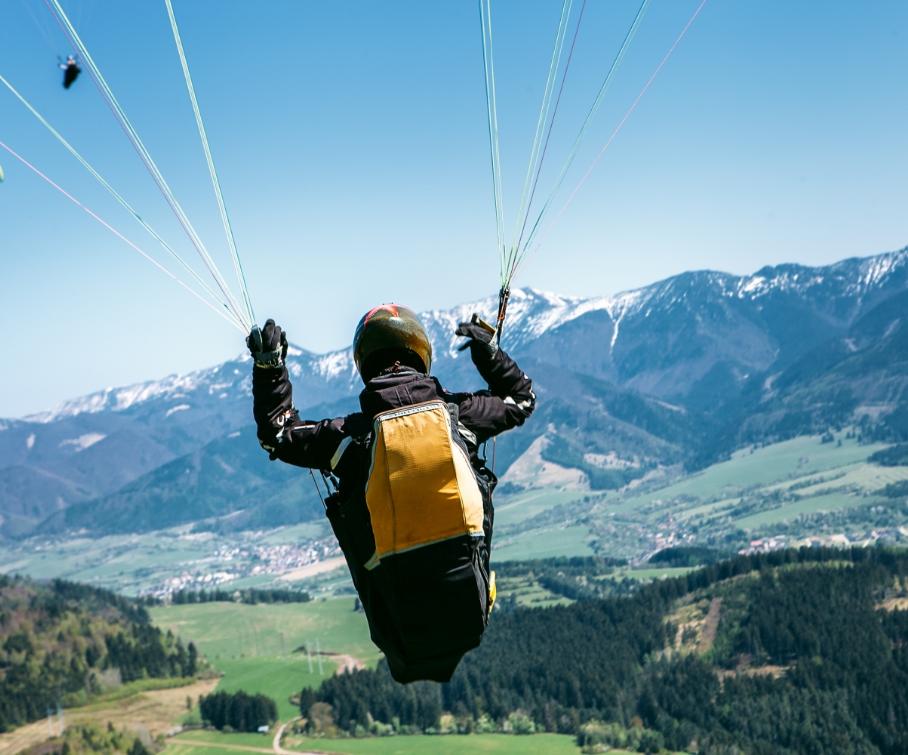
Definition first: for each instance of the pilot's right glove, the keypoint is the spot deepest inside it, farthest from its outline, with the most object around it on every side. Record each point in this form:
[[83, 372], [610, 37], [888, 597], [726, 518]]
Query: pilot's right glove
[[267, 345], [483, 339]]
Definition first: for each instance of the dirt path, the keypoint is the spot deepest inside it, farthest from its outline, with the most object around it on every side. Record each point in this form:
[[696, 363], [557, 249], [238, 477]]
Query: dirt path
[[344, 662], [276, 744], [710, 626], [156, 711]]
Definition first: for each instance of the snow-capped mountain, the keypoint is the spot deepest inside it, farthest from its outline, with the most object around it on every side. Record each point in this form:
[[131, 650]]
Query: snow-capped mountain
[[641, 377]]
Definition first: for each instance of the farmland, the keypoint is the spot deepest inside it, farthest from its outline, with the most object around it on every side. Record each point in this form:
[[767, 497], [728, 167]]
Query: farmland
[[793, 491]]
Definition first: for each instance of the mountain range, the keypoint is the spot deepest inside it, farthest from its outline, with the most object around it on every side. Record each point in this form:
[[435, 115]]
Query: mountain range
[[671, 376]]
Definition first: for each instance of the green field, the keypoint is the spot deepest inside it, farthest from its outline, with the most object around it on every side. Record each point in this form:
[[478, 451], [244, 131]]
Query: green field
[[516, 509], [794, 489], [526, 591], [807, 505], [256, 647], [191, 743], [645, 575], [447, 745], [544, 543], [749, 469], [278, 677], [234, 630], [212, 738]]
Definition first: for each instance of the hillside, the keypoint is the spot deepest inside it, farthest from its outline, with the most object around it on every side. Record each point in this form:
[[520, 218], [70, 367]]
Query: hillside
[[811, 490], [63, 643], [675, 375], [791, 652]]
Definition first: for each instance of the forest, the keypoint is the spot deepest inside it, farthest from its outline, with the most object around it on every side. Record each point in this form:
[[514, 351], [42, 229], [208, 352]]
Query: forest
[[62, 642], [793, 651], [237, 711]]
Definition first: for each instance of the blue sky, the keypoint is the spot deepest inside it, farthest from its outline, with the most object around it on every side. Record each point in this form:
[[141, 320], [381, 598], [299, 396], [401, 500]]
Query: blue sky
[[351, 143]]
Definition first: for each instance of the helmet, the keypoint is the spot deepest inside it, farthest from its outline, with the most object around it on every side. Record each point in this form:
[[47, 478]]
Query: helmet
[[390, 328]]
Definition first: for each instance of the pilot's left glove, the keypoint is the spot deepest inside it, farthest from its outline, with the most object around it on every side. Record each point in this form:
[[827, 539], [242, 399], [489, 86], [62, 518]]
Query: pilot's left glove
[[268, 345], [483, 339]]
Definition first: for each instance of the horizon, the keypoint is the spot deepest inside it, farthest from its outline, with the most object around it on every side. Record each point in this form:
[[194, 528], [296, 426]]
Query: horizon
[[343, 150], [34, 415]]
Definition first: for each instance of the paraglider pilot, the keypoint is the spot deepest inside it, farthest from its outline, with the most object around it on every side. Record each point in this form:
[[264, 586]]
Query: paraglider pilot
[[412, 507], [70, 70]]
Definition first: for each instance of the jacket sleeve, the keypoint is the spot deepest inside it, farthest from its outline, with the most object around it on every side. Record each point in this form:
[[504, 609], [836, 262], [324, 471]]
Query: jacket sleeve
[[280, 430], [506, 404]]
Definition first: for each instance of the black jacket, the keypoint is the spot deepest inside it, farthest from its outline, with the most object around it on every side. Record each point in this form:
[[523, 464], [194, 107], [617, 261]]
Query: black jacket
[[408, 600]]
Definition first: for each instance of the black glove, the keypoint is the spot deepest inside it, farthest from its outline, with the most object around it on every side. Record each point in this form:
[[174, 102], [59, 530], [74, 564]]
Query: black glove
[[267, 345], [482, 336]]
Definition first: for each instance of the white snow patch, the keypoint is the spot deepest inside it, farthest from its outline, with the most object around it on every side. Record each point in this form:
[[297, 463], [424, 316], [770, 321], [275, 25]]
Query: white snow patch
[[120, 399], [753, 284], [30, 442], [83, 441], [334, 364], [177, 408], [878, 268]]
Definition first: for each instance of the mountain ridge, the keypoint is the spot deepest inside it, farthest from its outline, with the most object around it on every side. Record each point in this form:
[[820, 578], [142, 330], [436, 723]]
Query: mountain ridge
[[785, 276], [665, 375]]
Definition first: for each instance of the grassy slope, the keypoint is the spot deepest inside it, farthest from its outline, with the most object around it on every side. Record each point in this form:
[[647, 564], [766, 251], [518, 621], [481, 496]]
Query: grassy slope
[[531, 524], [753, 491], [804, 475], [547, 542], [254, 645], [232, 630], [277, 677], [787, 461]]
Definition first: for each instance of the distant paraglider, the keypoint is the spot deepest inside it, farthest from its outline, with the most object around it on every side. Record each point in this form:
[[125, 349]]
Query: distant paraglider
[[70, 70]]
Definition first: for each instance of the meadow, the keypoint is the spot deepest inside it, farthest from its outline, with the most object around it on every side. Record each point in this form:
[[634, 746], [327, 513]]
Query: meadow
[[212, 743], [272, 648], [797, 489]]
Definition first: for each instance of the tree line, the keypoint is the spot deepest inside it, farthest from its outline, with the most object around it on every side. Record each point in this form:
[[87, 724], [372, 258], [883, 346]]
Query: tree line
[[238, 711], [250, 596]]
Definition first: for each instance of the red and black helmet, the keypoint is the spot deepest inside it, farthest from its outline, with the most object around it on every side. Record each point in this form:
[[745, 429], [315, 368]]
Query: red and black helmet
[[388, 333]]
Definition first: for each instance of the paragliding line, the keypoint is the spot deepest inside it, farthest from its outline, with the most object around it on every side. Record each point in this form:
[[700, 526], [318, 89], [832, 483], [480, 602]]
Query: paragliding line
[[541, 121], [215, 182], [116, 233], [624, 119], [548, 136], [114, 193], [485, 19], [150, 164], [600, 95]]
